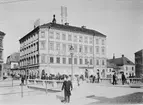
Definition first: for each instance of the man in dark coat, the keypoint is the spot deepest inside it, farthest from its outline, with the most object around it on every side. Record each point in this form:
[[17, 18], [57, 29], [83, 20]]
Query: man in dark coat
[[114, 79], [67, 86], [123, 78]]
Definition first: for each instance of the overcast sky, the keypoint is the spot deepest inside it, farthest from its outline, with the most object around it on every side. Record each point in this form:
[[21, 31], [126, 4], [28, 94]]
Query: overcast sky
[[120, 20]]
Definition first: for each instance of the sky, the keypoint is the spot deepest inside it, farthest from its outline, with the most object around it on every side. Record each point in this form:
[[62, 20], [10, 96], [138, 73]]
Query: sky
[[120, 20]]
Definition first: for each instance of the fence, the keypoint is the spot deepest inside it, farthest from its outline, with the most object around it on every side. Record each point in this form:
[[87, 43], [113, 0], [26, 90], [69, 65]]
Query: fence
[[119, 81]]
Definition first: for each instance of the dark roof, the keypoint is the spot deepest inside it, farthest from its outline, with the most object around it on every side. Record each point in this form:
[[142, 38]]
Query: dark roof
[[2, 33], [139, 52], [35, 29], [121, 61], [111, 65], [67, 28], [73, 28]]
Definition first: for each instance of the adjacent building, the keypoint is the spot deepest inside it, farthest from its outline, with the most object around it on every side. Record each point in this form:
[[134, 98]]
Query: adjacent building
[[13, 62], [57, 48], [139, 63], [125, 65], [2, 34], [111, 69]]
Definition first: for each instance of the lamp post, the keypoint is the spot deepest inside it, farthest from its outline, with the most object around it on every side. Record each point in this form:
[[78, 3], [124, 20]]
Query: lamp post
[[71, 52]]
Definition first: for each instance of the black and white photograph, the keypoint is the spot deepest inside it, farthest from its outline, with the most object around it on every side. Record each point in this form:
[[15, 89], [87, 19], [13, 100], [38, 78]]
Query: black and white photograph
[[71, 52]]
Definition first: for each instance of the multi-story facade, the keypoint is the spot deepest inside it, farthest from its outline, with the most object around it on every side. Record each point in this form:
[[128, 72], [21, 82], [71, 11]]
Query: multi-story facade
[[139, 63], [124, 65], [13, 62], [1, 54], [47, 48]]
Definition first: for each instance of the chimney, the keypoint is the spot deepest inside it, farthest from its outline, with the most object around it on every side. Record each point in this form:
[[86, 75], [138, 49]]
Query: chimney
[[113, 56], [83, 26], [122, 55]]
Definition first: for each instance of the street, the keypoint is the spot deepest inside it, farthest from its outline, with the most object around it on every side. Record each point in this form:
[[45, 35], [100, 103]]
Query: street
[[85, 94]]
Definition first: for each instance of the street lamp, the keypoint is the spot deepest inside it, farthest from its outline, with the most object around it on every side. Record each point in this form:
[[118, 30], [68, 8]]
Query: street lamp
[[71, 50]]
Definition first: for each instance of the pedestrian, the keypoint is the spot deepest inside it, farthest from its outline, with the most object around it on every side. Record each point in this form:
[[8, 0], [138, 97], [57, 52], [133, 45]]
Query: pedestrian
[[93, 79], [67, 87], [114, 78], [98, 77], [123, 79], [22, 79]]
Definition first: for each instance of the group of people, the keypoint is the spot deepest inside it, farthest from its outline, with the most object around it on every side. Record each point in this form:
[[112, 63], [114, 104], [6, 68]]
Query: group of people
[[115, 79]]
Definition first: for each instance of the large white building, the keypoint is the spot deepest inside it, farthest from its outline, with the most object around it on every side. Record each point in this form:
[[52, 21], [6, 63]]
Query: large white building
[[47, 48]]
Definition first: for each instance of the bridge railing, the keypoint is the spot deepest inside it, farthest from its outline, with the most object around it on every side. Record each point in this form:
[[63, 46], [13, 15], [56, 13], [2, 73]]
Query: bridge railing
[[119, 80], [49, 83]]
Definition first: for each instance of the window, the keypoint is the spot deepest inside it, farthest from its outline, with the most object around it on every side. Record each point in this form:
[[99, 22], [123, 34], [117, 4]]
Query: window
[[69, 37], [75, 38], [64, 60], [97, 41], [103, 42], [58, 46], [43, 58], [58, 59], [42, 34], [51, 35], [70, 61], [51, 60], [75, 47], [85, 39], [80, 39], [64, 47], [80, 48], [132, 68], [51, 46], [80, 61], [1, 43], [91, 40], [85, 49], [69, 47], [97, 62], [103, 50], [57, 35], [91, 49], [75, 60], [63, 36], [43, 45], [103, 63], [86, 61], [97, 49], [91, 61]]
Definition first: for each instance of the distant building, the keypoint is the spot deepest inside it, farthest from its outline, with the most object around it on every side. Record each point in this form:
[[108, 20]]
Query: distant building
[[6, 69], [125, 65], [1, 54], [139, 63], [111, 69], [47, 48], [13, 62]]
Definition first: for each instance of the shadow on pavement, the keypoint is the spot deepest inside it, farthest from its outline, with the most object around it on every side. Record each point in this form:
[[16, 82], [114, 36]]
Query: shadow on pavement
[[134, 98]]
